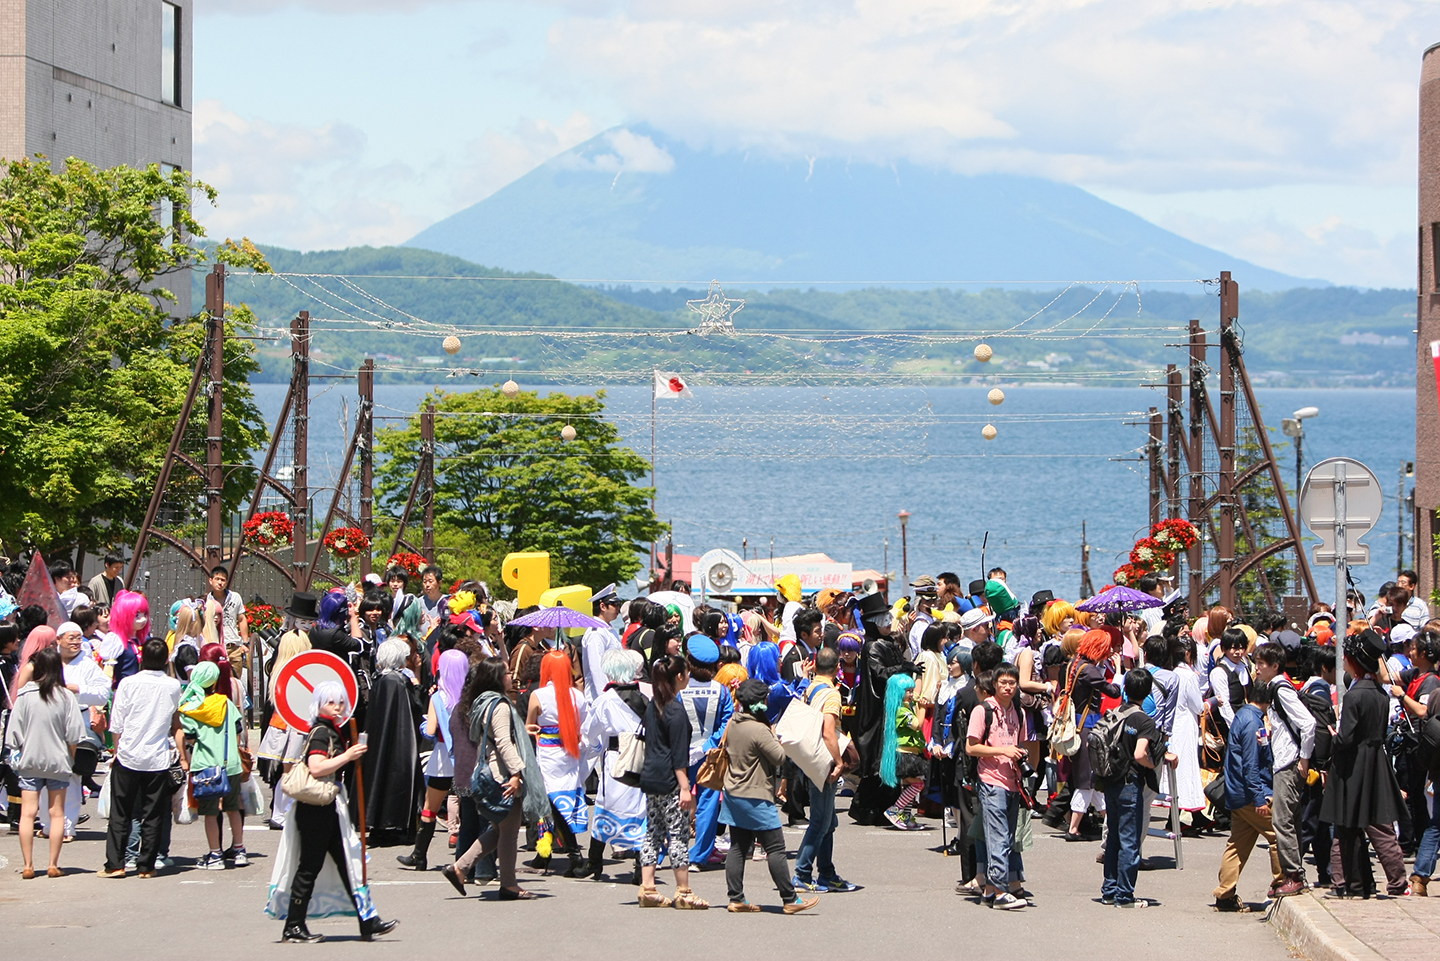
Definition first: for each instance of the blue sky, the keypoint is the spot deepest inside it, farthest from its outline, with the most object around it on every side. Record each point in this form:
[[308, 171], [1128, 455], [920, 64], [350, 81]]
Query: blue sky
[[1281, 131]]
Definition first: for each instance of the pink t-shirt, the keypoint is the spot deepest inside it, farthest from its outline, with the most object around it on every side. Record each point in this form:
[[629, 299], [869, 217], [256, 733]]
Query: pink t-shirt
[[1007, 729]]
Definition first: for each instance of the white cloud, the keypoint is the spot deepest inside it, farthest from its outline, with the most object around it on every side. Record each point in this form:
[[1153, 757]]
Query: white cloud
[[497, 158], [630, 152], [258, 7]]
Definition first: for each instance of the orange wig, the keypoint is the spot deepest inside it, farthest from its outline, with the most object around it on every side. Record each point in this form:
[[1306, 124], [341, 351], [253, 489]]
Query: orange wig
[[555, 670], [1095, 646]]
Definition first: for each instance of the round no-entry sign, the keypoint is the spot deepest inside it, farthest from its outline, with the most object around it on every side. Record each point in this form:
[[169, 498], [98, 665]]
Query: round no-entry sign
[[295, 684]]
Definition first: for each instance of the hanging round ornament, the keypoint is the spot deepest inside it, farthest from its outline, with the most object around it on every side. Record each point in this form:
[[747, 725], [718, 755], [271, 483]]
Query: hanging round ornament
[[451, 344], [567, 433], [989, 432], [983, 353], [996, 396], [510, 389]]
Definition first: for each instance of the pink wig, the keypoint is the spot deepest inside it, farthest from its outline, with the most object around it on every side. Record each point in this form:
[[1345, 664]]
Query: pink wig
[[38, 638], [215, 654], [128, 605]]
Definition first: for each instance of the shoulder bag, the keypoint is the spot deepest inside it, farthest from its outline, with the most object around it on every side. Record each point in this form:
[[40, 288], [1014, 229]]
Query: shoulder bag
[[716, 765], [1064, 734], [630, 758], [213, 781], [306, 788], [488, 793]]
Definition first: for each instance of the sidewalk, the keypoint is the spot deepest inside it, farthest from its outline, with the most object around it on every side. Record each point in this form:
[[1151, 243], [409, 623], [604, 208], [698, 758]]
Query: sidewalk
[[1392, 929]]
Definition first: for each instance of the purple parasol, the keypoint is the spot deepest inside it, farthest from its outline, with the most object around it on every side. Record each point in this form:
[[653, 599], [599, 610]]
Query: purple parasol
[[1119, 598], [558, 617]]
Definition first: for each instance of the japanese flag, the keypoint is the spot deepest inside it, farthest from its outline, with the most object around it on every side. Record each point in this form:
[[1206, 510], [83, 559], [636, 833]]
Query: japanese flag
[[670, 386]]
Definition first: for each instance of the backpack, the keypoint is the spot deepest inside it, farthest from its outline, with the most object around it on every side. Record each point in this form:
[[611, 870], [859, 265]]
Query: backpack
[[969, 766], [1428, 749], [1324, 714], [1108, 757]]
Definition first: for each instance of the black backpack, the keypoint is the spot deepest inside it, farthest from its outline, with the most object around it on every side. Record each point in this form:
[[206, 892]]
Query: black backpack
[[969, 766], [1108, 757], [1324, 714]]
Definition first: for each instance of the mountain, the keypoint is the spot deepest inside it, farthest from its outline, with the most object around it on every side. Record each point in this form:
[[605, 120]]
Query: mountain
[[634, 206], [396, 304]]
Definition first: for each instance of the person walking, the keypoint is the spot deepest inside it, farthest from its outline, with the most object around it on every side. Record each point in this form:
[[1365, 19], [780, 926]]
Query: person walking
[[1292, 741], [748, 806], [1362, 797], [299, 889], [1247, 794], [43, 731], [999, 737], [145, 723], [209, 715], [665, 779], [1127, 804], [815, 861], [440, 768], [619, 815]]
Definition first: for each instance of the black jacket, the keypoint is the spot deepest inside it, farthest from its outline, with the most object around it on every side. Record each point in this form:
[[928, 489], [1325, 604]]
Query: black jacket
[[1361, 789]]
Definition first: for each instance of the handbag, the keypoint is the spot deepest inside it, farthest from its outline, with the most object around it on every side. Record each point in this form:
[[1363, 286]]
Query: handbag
[[630, 759], [306, 788], [213, 781], [801, 732], [1212, 746], [716, 764], [176, 773], [487, 793], [1064, 733]]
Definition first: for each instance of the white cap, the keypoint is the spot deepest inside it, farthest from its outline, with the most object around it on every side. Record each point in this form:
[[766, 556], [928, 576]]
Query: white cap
[[1399, 634], [975, 617]]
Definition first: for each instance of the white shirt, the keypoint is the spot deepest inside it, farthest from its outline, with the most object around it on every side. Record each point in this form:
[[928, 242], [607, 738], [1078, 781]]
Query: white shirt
[[787, 622], [593, 647], [1283, 747], [230, 613], [143, 717], [1220, 684], [917, 632], [85, 674]]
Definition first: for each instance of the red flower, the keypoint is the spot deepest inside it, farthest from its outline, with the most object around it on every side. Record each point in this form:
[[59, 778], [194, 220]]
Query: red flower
[[407, 561], [270, 529], [263, 617], [1148, 554], [347, 542]]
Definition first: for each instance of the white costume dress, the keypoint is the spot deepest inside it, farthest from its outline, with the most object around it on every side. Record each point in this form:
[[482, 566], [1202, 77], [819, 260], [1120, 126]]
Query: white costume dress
[[1185, 743], [564, 775], [619, 809]]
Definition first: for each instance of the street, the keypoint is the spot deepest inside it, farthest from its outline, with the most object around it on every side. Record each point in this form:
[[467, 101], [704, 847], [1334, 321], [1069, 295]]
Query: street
[[907, 904]]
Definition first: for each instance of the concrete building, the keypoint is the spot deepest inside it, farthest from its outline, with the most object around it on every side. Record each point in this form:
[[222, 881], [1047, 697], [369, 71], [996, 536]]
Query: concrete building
[[108, 81]]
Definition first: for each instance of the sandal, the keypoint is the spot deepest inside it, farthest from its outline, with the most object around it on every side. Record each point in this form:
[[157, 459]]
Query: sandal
[[516, 894], [685, 900], [28, 874], [650, 898]]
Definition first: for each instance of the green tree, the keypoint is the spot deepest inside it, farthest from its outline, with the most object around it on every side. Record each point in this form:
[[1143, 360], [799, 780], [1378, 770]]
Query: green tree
[[93, 371], [504, 475]]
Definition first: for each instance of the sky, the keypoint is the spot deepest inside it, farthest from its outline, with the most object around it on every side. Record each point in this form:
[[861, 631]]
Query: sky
[[1279, 131]]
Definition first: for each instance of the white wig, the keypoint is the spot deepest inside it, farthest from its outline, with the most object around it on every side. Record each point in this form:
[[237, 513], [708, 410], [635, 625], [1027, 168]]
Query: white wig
[[392, 655], [621, 665], [328, 692]]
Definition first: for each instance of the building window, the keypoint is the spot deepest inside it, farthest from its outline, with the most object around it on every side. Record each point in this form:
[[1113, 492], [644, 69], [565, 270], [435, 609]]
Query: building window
[[167, 208], [170, 53]]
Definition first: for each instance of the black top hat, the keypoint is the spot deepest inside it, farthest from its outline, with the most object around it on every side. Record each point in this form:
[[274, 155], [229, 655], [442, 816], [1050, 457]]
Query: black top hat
[[1368, 648], [304, 605], [1039, 599], [977, 587], [872, 606]]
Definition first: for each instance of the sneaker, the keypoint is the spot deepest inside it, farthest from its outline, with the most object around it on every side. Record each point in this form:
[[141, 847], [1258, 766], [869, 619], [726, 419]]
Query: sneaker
[[893, 816], [742, 907], [131, 865], [164, 861], [988, 900], [715, 858], [815, 887], [801, 904], [1137, 903], [837, 885], [1008, 902], [949, 818], [211, 862], [907, 821], [1231, 905], [240, 860], [1108, 900]]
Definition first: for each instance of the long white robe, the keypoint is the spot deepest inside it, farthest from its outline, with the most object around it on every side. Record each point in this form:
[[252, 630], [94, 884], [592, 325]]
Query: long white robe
[[619, 816]]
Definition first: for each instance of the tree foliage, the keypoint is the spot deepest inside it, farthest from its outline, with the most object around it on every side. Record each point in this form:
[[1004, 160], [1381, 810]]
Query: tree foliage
[[93, 370], [505, 477]]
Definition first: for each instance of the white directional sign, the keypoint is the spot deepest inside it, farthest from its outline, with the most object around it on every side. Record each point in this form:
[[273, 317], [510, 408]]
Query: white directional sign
[[1362, 501]]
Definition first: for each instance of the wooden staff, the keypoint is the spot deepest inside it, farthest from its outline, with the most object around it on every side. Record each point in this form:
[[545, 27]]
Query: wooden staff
[[360, 797]]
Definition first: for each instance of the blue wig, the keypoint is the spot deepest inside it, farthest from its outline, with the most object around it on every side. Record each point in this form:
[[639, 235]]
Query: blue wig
[[334, 611], [895, 690], [764, 662]]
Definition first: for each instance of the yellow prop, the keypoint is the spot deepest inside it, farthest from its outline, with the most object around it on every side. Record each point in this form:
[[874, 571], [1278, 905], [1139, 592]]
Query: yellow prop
[[575, 596], [528, 575]]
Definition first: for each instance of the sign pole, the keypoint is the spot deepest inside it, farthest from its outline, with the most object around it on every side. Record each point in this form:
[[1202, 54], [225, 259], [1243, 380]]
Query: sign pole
[[1342, 568], [360, 799]]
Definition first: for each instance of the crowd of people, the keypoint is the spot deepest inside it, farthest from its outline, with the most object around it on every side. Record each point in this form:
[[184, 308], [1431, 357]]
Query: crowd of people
[[695, 733]]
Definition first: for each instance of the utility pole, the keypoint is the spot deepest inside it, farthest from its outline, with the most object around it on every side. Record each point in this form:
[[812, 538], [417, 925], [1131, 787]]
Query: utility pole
[[366, 426], [427, 469], [1229, 311], [299, 483], [1157, 471], [1197, 475], [904, 546], [214, 463], [1087, 586]]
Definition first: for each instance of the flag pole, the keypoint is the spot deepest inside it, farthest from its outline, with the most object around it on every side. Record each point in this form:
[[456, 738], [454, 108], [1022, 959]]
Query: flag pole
[[652, 472]]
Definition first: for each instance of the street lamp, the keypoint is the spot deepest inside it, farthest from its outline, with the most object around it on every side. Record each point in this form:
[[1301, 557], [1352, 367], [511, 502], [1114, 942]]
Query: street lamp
[[1295, 427], [904, 547]]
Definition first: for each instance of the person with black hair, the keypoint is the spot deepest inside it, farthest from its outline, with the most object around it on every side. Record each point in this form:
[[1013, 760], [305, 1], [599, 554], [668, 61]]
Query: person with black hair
[[108, 583], [1362, 798], [665, 779], [799, 659], [1292, 741], [41, 736], [1248, 793], [1128, 793], [1229, 678], [984, 658]]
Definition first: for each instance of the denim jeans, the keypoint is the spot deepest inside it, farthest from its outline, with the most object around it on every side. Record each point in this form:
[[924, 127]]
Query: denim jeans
[[1125, 812], [818, 844], [1000, 809], [1425, 854]]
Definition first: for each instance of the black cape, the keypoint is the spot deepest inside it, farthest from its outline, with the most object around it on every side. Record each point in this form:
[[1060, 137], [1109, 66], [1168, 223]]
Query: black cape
[[1361, 789], [880, 658], [393, 786]]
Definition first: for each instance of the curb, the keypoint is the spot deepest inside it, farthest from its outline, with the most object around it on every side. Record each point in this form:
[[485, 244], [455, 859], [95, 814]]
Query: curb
[[1316, 933]]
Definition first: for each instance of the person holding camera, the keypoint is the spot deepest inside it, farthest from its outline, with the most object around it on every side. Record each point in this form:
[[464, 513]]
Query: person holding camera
[[1000, 736]]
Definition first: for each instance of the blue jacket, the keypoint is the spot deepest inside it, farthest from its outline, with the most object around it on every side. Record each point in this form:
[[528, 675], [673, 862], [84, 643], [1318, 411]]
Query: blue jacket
[[1247, 761]]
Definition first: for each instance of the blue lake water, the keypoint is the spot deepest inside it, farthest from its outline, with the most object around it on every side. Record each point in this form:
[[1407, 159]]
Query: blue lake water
[[828, 469]]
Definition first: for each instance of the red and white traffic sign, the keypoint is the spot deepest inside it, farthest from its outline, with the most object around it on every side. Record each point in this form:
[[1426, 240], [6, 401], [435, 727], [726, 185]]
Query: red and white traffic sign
[[295, 684]]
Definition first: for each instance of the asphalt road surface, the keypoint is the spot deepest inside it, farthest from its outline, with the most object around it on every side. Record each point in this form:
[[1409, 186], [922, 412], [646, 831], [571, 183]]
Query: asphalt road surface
[[906, 905]]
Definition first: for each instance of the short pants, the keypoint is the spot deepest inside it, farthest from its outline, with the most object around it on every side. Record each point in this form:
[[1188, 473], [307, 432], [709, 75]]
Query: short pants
[[212, 806]]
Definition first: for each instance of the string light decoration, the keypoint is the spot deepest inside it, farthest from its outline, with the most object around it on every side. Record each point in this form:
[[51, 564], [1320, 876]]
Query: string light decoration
[[989, 432], [510, 389], [451, 344], [983, 353], [717, 314], [567, 433], [996, 396]]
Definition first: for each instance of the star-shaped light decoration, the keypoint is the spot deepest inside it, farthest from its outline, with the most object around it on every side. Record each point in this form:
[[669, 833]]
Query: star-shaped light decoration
[[716, 313]]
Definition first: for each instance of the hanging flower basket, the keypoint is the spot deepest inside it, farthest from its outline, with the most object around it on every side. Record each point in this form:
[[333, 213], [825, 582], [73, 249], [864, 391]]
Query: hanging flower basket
[[263, 617], [1148, 555], [347, 542], [270, 529], [1129, 575], [408, 562], [1175, 535]]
